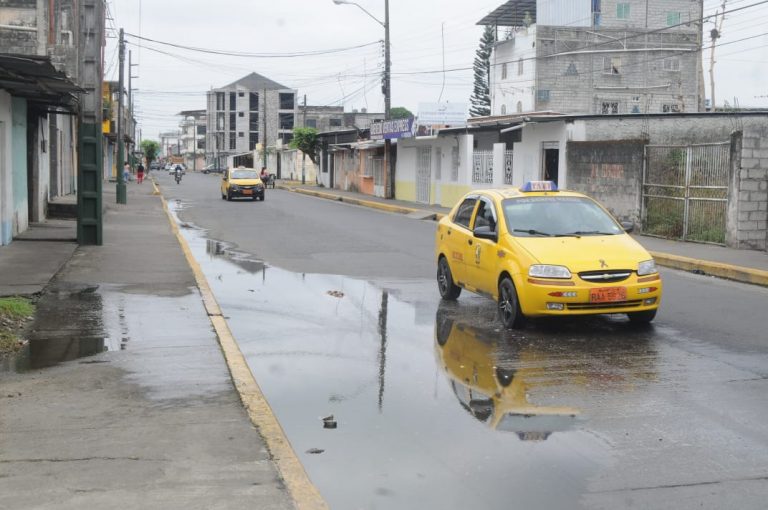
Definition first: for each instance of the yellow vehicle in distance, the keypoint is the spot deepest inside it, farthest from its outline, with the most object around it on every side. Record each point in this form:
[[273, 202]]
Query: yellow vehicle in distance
[[538, 251], [495, 394], [241, 182]]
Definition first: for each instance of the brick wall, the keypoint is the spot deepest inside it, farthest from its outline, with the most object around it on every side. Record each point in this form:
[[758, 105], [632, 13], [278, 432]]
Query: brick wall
[[752, 206]]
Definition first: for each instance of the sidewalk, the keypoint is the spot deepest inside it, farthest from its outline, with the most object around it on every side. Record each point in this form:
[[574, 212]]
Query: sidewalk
[[747, 266], [150, 419]]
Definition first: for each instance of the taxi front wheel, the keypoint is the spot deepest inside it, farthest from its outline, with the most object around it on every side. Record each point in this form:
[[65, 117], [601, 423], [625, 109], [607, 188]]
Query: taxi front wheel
[[509, 306], [448, 289]]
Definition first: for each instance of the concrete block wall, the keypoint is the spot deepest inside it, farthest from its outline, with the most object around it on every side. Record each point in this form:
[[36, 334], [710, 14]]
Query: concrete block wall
[[650, 14], [752, 189], [24, 39]]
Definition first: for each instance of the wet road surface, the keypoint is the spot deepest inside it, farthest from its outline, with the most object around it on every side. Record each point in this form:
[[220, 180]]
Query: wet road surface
[[437, 406]]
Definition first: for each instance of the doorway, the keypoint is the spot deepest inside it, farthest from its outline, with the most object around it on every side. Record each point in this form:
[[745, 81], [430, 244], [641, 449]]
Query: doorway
[[550, 159]]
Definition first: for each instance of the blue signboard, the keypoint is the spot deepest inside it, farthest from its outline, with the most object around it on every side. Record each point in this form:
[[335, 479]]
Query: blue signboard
[[392, 129]]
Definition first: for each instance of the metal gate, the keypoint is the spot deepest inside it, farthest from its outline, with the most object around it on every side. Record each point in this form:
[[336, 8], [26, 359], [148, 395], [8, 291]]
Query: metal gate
[[424, 174], [482, 167], [685, 191]]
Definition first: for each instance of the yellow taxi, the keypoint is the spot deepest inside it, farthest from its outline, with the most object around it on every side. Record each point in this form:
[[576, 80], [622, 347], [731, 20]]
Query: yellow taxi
[[241, 182], [539, 251]]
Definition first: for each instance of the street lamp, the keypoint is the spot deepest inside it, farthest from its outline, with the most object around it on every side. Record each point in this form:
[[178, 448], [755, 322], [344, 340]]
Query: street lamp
[[386, 88]]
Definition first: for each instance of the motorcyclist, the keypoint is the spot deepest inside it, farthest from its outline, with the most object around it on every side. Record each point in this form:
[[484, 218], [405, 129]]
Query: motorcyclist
[[177, 172]]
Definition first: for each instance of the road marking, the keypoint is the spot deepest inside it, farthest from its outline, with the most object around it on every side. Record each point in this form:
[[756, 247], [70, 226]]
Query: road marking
[[303, 492]]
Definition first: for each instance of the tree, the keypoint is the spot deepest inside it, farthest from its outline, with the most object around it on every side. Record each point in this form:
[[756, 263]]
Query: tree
[[399, 112], [151, 150], [305, 139], [481, 94]]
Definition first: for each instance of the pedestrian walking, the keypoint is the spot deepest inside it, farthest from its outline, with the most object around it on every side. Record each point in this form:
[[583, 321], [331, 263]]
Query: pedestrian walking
[[126, 172], [140, 173]]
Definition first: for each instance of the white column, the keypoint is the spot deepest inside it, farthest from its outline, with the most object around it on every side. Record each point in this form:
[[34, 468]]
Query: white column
[[498, 164]]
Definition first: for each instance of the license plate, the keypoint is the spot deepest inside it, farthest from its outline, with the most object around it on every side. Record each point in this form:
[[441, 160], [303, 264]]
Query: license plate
[[247, 192], [607, 294]]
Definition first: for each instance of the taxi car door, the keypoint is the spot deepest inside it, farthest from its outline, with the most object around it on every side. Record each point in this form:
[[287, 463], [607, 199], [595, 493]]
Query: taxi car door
[[458, 239], [482, 261]]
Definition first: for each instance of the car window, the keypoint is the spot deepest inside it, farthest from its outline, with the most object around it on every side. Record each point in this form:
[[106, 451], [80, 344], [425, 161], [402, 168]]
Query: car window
[[557, 216], [464, 212], [486, 215], [245, 174]]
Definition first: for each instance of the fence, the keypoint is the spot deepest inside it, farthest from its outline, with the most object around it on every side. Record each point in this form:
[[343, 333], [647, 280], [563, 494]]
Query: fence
[[482, 167]]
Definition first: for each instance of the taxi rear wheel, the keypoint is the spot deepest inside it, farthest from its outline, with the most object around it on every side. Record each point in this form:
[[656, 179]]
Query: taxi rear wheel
[[509, 306], [643, 317], [448, 289]]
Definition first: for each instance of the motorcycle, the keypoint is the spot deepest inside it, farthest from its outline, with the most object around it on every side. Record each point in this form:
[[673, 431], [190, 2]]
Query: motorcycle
[[178, 177]]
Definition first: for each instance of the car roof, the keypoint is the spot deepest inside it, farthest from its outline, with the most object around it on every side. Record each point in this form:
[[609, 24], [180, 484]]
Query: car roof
[[504, 193]]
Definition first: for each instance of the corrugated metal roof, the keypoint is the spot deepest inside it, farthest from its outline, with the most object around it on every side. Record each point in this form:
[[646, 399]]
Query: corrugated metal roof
[[511, 14], [35, 79]]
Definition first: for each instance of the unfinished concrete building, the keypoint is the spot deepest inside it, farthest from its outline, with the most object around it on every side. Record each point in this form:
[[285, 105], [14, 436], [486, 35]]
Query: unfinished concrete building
[[597, 56]]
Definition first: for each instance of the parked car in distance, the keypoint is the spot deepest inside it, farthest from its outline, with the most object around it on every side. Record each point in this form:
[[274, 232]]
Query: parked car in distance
[[538, 251], [241, 182], [213, 169]]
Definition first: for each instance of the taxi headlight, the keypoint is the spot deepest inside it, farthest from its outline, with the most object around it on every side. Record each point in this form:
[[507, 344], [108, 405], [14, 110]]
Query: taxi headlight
[[235, 187], [646, 267], [546, 271]]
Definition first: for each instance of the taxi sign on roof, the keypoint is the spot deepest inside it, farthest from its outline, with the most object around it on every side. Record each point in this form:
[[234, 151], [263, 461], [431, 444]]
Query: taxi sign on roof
[[539, 186]]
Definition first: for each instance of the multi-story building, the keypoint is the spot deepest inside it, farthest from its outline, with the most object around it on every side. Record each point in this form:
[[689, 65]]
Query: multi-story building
[[334, 118], [597, 56], [252, 111], [193, 128], [110, 101], [170, 143]]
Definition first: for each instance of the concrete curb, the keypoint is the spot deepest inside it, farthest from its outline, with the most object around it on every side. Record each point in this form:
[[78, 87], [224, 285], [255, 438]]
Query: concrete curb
[[302, 491], [727, 271]]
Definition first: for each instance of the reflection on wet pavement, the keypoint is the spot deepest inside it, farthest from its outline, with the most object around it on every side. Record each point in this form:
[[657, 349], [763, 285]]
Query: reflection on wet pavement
[[437, 406]]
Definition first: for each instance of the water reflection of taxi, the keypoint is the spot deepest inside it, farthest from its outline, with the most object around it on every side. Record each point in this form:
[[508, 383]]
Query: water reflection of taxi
[[539, 251], [493, 393], [241, 182]]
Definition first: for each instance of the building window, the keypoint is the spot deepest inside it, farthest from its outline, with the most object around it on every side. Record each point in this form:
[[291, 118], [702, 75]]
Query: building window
[[240, 134], [503, 109], [519, 107], [220, 121], [542, 95], [219, 100], [253, 122], [253, 139], [240, 114], [287, 101], [572, 70], [232, 101], [241, 94], [610, 108], [253, 102], [286, 121], [611, 65], [286, 138], [334, 122], [622, 11], [520, 66], [670, 108], [672, 64], [311, 123], [673, 18], [232, 121], [504, 71], [200, 130], [232, 141], [201, 144], [597, 13]]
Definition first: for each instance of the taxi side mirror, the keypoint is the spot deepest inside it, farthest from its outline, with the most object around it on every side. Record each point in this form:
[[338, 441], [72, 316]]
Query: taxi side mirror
[[628, 226], [485, 232]]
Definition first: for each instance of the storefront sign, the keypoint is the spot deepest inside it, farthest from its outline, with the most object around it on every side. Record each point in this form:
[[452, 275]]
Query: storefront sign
[[443, 114], [392, 129]]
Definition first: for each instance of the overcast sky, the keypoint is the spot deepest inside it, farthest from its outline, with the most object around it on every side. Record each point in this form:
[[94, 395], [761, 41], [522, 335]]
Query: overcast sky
[[174, 79]]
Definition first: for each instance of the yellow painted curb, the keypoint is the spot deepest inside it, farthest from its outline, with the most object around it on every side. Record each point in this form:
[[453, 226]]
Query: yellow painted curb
[[728, 271], [154, 185], [356, 201], [303, 492]]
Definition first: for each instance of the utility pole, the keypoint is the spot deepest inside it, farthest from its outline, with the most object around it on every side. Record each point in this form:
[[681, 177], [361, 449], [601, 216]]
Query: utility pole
[[388, 104], [131, 91], [716, 33], [304, 154], [122, 192], [264, 122]]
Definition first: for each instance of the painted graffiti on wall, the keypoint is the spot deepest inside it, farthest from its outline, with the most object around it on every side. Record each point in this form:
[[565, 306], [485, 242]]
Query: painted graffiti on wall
[[608, 171]]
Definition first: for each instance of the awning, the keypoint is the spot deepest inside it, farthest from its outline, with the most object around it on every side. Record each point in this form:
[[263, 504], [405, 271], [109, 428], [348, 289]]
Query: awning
[[511, 14], [35, 79]]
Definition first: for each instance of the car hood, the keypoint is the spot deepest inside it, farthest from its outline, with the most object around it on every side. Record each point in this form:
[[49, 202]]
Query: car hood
[[245, 182], [586, 253]]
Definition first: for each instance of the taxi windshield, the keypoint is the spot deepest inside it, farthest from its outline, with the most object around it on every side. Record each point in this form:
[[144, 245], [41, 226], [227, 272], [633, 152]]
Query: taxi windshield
[[244, 174], [559, 216]]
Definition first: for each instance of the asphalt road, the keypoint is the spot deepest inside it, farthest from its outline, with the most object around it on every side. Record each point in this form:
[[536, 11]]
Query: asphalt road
[[337, 312]]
